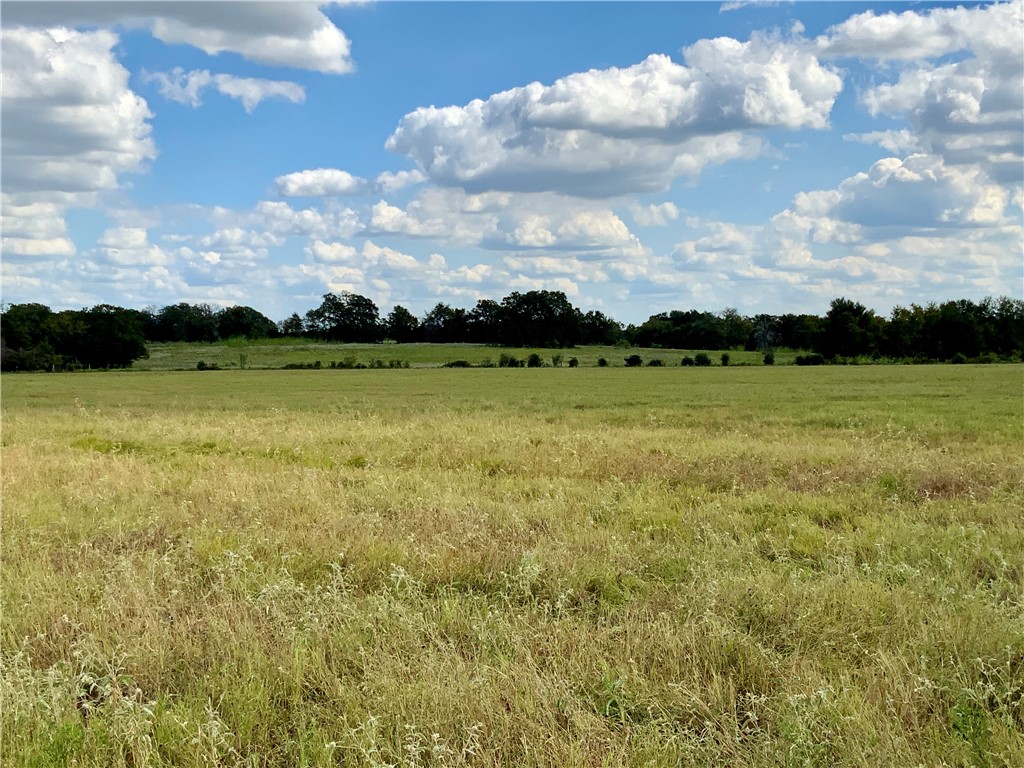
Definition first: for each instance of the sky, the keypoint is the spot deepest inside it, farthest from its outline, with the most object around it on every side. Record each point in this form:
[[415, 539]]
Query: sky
[[640, 157]]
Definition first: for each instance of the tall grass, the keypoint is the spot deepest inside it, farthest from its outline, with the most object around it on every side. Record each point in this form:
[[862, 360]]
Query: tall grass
[[763, 566]]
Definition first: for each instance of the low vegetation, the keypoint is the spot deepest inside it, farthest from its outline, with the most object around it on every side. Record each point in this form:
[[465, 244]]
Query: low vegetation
[[745, 567]]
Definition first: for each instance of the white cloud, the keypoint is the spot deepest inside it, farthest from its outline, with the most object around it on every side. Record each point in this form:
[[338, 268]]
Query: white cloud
[[187, 87], [71, 126], [331, 252], [280, 34], [319, 182], [392, 182], [655, 215], [613, 131], [969, 110], [938, 31], [130, 246], [252, 90]]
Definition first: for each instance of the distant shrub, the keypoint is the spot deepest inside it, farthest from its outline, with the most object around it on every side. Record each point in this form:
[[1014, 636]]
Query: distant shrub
[[316, 365], [686, 362], [202, 366], [702, 359], [377, 363], [602, 363], [633, 361], [655, 363], [556, 360], [574, 362], [458, 364], [486, 363], [812, 359], [987, 358], [958, 359], [534, 360], [508, 361], [769, 358], [623, 344], [725, 359]]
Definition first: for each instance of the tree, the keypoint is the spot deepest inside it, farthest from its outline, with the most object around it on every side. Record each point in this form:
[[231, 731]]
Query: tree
[[401, 325], [539, 319], [186, 322], [113, 337], [445, 325], [244, 321], [346, 317], [292, 325], [598, 328], [850, 329]]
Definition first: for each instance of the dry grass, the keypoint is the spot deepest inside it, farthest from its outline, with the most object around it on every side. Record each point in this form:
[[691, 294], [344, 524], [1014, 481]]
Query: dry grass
[[554, 567]]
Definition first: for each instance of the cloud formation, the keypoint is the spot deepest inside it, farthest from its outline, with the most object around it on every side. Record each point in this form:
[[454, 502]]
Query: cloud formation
[[295, 35], [187, 87], [319, 182], [619, 130]]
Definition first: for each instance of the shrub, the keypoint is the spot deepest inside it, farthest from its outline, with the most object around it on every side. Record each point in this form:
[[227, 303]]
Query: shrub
[[602, 363], [633, 361], [725, 359], [508, 361], [702, 359], [457, 364], [655, 363], [958, 359], [769, 358], [574, 362], [686, 362], [556, 360], [812, 359], [534, 361], [201, 365]]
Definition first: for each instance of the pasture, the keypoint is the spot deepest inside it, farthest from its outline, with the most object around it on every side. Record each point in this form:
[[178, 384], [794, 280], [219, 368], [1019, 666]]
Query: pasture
[[551, 567]]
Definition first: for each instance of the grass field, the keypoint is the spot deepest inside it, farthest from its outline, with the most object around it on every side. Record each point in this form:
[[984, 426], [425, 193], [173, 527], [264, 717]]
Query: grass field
[[178, 356], [726, 566]]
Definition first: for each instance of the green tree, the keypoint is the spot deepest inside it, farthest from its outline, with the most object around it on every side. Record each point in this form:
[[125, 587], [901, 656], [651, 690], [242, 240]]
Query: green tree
[[401, 325]]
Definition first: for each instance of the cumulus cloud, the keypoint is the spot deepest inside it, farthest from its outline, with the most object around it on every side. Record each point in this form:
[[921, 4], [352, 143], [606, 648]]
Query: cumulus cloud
[[71, 125], [620, 130], [295, 35], [70, 128], [392, 182], [655, 215], [187, 87], [319, 182], [130, 246], [969, 110]]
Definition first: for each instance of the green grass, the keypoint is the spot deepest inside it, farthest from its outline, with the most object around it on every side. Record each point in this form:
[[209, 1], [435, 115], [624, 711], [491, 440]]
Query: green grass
[[746, 567], [275, 353]]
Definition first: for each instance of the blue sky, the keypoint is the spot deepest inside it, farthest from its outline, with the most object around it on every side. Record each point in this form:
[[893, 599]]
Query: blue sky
[[638, 156]]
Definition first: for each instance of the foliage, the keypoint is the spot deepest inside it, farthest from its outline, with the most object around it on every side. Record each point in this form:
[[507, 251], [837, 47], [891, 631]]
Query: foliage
[[725, 359], [702, 359], [633, 361]]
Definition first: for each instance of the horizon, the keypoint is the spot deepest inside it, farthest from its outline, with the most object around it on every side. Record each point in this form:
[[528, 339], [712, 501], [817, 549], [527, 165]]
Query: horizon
[[640, 158]]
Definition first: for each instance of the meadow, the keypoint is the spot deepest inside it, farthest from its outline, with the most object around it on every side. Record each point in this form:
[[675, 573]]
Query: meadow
[[744, 566], [276, 353]]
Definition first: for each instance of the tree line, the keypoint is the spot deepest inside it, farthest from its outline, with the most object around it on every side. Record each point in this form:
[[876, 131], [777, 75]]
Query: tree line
[[33, 337]]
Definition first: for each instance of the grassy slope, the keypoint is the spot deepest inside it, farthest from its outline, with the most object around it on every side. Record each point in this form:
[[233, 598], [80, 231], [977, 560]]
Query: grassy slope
[[440, 567], [276, 353]]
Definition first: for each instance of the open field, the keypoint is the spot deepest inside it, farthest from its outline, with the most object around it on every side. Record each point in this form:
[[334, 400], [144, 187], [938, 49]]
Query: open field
[[263, 353], [744, 567]]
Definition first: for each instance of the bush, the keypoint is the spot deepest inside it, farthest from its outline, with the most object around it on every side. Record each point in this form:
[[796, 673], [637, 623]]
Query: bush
[[769, 358], [702, 359], [201, 365], [958, 359], [633, 361], [655, 363], [556, 360], [811, 359], [508, 361], [458, 364], [534, 361], [574, 362], [725, 359], [602, 363], [686, 362]]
